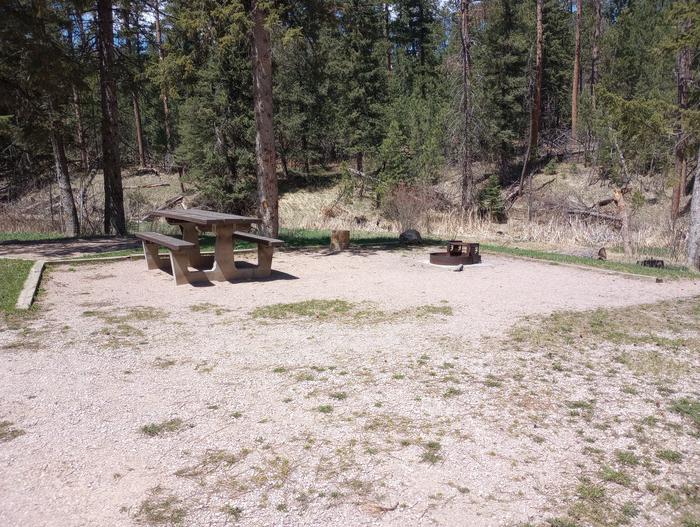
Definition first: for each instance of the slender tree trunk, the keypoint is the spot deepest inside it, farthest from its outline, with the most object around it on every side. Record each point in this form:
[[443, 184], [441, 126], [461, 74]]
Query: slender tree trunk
[[536, 99], [71, 224], [264, 133], [467, 173], [683, 61], [577, 70], [114, 219], [163, 90], [360, 162], [694, 227], [134, 53], [595, 51], [387, 37], [623, 213], [80, 131]]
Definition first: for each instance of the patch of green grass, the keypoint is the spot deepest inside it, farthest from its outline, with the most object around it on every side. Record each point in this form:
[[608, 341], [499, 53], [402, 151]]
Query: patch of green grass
[[431, 452], [8, 431], [689, 408], [13, 236], [318, 309], [625, 457], [161, 509], [671, 456], [325, 409], [615, 476], [339, 396], [428, 310], [590, 491], [667, 272], [13, 273], [452, 392], [157, 429], [233, 511]]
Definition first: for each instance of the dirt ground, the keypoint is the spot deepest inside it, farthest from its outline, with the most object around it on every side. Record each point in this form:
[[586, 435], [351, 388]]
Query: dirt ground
[[60, 249], [389, 398]]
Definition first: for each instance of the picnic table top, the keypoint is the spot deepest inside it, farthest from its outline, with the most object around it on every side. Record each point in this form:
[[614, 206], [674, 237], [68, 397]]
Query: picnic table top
[[205, 217]]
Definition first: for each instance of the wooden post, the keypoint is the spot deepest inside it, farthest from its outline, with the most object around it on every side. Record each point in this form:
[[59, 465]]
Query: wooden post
[[340, 240]]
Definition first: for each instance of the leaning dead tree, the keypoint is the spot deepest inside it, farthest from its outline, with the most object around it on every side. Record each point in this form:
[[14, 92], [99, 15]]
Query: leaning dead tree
[[536, 111]]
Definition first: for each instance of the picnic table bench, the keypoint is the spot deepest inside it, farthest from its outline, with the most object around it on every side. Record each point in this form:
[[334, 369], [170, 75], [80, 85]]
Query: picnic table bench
[[185, 253]]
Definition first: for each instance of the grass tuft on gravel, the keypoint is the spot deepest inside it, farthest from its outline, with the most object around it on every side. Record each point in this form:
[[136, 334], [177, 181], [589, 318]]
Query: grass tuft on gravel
[[13, 273], [8, 431], [157, 429]]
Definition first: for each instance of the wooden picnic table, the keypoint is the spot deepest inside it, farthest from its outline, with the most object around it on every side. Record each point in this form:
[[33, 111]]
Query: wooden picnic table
[[227, 228]]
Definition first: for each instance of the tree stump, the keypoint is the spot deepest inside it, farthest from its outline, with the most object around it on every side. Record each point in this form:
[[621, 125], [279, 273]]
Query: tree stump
[[340, 240]]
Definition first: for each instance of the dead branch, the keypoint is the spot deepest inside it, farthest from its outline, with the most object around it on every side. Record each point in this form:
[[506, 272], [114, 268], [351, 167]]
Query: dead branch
[[152, 185]]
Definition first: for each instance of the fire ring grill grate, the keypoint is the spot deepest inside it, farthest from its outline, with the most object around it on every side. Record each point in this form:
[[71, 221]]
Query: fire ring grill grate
[[458, 253]]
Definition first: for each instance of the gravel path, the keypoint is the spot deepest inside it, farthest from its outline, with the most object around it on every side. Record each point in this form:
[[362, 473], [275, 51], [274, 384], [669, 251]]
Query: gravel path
[[331, 421]]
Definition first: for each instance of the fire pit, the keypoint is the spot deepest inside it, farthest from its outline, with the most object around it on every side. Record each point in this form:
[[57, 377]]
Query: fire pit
[[458, 253]]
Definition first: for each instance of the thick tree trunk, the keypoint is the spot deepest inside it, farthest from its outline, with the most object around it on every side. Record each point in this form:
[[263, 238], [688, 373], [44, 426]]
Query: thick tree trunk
[[70, 214], [683, 61], [114, 219], [694, 227], [577, 71], [595, 51], [264, 133], [536, 99], [468, 197], [163, 89]]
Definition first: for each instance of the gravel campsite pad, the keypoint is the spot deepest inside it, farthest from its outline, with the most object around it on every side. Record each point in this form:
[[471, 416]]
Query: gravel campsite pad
[[362, 388]]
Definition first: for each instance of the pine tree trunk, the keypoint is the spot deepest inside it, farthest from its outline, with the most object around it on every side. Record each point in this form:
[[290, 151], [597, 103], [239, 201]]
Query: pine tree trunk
[[264, 133], [114, 219], [577, 71], [163, 90], [536, 98], [694, 227], [595, 51], [468, 197], [683, 61], [71, 224]]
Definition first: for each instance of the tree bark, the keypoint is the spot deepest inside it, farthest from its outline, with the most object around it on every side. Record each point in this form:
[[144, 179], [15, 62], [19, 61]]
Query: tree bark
[[264, 133], [683, 61], [114, 219], [468, 197], [387, 37], [694, 227], [577, 70], [133, 88], [163, 89], [623, 214], [595, 51], [70, 214], [536, 99]]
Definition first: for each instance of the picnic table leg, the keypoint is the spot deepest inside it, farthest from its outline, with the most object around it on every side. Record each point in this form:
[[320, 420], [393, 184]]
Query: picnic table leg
[[150, 252], [190, 234], [224, 267], [264, 260]]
